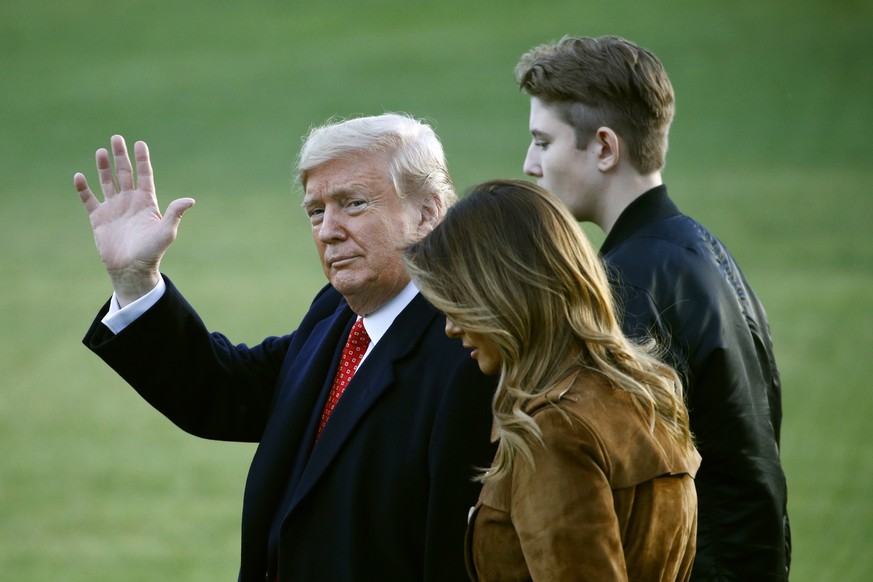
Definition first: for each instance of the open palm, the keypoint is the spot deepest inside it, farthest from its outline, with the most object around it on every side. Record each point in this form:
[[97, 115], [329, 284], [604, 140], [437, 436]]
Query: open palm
[[130, 232]]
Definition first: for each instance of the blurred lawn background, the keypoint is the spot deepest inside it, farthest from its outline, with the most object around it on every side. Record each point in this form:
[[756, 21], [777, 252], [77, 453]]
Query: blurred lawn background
[[771, 148]]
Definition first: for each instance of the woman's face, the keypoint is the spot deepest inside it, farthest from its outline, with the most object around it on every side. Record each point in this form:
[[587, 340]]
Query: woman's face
[[484, 351]]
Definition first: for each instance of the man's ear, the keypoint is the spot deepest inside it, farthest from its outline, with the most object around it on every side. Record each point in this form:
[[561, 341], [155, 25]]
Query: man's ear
[[430, 213], [609, 149]]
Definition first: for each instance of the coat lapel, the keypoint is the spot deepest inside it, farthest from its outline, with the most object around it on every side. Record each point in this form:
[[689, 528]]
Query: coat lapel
[[281, 457], [373, 378], [287, 439]]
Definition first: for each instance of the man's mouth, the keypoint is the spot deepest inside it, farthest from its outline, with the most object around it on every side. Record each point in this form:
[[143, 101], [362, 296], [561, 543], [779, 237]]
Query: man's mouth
[[340, 262]]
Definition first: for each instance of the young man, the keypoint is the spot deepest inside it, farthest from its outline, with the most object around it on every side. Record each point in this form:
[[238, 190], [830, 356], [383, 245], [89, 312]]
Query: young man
[[600, 113], [358, 475]]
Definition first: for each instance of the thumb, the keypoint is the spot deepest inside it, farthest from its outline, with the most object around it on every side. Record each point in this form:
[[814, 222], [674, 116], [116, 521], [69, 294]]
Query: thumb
[[177, 208]]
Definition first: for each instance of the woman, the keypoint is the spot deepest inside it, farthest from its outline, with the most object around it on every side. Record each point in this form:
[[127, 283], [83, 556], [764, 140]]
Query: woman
[[593, 475]]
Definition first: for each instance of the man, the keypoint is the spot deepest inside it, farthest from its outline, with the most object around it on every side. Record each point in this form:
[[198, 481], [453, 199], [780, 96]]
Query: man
[[600, 111], [373, 483]]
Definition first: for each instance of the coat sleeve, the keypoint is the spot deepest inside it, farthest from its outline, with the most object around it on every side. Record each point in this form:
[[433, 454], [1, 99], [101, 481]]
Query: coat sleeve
[[202, 382], [562, 507]]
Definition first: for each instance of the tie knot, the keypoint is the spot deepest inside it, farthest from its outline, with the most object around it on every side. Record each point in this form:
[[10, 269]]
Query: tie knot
[[358, 335]]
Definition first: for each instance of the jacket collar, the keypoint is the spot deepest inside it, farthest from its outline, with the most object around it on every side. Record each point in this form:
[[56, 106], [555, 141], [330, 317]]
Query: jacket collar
[[652, 206]]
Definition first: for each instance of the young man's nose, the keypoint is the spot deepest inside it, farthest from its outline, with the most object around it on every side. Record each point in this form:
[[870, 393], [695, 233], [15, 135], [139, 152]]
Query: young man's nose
[[531, 164]]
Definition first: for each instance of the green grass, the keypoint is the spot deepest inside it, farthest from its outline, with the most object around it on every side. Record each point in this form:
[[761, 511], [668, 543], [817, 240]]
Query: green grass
[[770, 149]]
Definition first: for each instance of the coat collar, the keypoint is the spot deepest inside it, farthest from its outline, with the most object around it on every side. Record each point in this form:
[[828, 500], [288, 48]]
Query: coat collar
[[652, 206]]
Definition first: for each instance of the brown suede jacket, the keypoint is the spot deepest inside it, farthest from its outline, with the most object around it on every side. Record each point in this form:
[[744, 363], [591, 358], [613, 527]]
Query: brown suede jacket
[[606, 500]]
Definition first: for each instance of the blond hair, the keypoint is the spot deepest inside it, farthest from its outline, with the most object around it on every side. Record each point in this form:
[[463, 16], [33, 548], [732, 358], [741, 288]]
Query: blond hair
[[509, 262]]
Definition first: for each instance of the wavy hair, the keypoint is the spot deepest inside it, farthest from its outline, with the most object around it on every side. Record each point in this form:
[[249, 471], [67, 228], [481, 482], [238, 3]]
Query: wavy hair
[[418, 164], [509, 262]]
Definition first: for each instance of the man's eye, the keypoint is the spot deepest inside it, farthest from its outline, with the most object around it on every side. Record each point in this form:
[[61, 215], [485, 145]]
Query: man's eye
[[541, 144]]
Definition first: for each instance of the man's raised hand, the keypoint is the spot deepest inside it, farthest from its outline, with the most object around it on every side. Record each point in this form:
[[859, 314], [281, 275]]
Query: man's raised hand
[[130, 232]]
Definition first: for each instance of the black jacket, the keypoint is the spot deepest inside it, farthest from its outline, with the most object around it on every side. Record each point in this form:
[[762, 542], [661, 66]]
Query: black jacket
[[676, 281]]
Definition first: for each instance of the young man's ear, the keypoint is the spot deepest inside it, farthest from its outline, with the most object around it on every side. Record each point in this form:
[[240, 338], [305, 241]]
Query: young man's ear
[[609, 149]]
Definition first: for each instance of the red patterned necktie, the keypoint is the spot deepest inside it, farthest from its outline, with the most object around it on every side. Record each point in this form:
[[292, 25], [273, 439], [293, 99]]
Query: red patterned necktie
[[356, 347]]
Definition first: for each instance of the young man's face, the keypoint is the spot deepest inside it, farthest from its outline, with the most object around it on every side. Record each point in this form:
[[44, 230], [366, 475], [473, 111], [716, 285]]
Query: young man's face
[[557, 164]]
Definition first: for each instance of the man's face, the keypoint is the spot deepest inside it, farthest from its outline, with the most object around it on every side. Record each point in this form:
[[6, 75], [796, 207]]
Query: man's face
[[359, 226], [557, 164]]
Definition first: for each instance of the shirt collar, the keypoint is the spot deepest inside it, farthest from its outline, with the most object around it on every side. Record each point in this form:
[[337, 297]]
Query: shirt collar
[[378, 322]]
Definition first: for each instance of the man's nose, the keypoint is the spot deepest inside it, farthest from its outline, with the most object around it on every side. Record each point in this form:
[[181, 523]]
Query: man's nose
[[332, 226], [531, 163]]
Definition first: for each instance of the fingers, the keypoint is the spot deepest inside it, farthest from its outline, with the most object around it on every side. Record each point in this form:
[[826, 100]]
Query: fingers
[[123, 169], [104, 173], [85, 195], [122, 179], [144, 178]]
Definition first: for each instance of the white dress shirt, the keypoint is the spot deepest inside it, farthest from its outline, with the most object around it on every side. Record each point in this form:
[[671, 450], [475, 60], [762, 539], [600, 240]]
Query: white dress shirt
[[376, 323]]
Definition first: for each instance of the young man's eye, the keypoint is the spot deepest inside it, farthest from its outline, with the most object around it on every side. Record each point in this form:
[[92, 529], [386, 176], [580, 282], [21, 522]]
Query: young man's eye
[[541, 144]]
